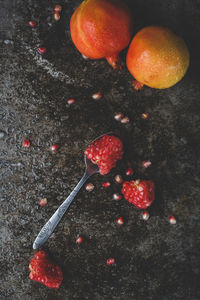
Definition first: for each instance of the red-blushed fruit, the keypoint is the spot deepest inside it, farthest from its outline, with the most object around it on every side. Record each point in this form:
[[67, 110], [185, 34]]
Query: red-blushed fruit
[[26, 143], [42, 50], [110, 261], [120, 221], [102, 29], [105, 152], [172, 220], [157, 57], [106, 184], [45, 271], [129, 172], [89, 187], [140, 193], [43, 201], [118, 178], [32, 24], [54, 147], [79, 240]]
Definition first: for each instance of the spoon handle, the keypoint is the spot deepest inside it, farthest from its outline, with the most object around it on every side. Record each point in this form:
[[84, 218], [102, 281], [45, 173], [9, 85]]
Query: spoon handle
[[49, 227]]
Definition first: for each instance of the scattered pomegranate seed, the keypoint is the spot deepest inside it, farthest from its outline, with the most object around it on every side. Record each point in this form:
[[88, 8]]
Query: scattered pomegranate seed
[[117, 196], [54, 147], [125, 120], [120, 221], [145, 116], [146, 164], [118, 116], [43, 202], [137, 85], [106, 184], [129, 171], [57, 8], [56, 16], [89, 187], [145, 215], [118, 178], [26, 143], [85, 57], [79, 240], [32, 24], [172, 220], [110, 261], [70, 101], [97, 96], [42, 50]]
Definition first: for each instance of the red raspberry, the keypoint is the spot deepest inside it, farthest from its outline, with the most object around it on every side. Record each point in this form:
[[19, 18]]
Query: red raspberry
[[139, 193], [44, 271], [105, 152]]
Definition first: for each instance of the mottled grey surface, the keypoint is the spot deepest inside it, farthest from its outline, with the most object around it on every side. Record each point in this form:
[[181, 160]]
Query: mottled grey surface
[[154, 260]]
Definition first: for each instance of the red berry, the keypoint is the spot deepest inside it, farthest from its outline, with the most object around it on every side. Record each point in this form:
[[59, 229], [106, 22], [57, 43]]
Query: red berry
[[105, 152], [117, 196], [146, 164], [172, 220], [56, 16], [42, 50], [89, 187], [110, 261], [139, 193], [57, 8], [54, 147], [79, 240], [71, 101], [129, 172], [106, 184], [118, 178], [26, 143], [32, 24], [120, 221], [45, 271], [43, 202], [145, 215], [97, 96]]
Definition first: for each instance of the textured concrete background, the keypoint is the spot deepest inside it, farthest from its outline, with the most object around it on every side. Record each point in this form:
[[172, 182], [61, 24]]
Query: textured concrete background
[[154, 260]]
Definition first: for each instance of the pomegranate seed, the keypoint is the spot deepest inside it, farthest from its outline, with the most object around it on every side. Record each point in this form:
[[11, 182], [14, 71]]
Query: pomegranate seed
[[125, 120], [70, 101], [117, 196], [85, 57], [118, 116], [57, 8], [56, 16], [145, 215], [89, 187], [97, 96], [26, 143], [129, 171], [32, 24], [42, 50], [54, 147], [79, 240], [43, 202], [145, 116], [120, 221], [146, 164], [106, 184], [110, 261], [172, 220], [118, 178]]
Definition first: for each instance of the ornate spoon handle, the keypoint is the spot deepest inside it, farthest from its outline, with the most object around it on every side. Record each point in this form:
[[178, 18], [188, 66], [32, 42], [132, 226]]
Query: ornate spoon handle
[[49, 227]]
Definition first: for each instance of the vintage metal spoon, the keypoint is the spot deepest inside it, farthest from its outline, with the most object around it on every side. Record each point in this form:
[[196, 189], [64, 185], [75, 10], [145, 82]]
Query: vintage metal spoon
[[49, 227]]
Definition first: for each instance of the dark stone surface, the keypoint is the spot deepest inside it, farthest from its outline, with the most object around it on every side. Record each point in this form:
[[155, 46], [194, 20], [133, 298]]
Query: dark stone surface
[[154, 260]]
